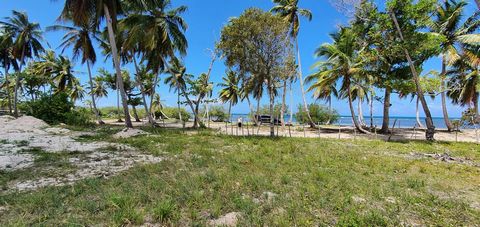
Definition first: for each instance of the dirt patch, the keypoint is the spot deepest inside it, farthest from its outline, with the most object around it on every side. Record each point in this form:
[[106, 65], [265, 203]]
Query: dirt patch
[[445, 157], [25, 138]]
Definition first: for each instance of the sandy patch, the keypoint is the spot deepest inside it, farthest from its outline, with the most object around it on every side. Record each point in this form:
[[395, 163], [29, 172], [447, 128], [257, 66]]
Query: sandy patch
[[87, 159], [129, 132], [230, 220]]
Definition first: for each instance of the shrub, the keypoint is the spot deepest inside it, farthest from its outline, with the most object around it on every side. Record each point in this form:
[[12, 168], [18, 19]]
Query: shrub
[[55, 109], [277, 109], [51, 109], [79, 116], [217, 113], [172, 112], [320, 114]]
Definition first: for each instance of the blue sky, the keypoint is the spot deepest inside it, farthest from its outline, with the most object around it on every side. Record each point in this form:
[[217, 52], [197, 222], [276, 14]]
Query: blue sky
[[206, 19]]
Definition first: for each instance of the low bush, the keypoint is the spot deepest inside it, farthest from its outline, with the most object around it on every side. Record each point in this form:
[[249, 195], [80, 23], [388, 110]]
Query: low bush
[[320, 114], [57, 108]]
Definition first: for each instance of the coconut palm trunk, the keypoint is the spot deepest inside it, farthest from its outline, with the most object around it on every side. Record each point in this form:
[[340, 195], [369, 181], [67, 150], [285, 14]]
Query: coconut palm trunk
[[142, 92], [94, 103], [201, 96], [7, 86], [284, 100], [272, 105], [386, 111], [252, 110], [116, 62], [178, 105], [300, 77], [444, 96], [361, 120], [430, 132], [352, 112], [371, 108], [154, 91], [135, 114], [291, 104], [475, 103], [17, 83], [417, 112]]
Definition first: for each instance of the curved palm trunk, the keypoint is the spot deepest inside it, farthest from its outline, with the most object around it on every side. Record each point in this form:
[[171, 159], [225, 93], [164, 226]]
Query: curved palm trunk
[[252, 111], [116, 62], [179, 109], [142, 91], [386, 111], [430, 133], [154, 91], [118, 105], [352, 111], [94, 104], [189, 101], [417, 110], [361, 120], [444, 96], [135, 114], [201, 96], [300, 77]]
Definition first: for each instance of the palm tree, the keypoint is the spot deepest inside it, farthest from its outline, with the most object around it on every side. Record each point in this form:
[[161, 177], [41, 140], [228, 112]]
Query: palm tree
[[6, 61], [177, 79], [342, 63], [81, 40], [82, 12], [230, 91], [465, 82], [59, 69], [155, 33], [27, 38], [290, 12], [448, 25]]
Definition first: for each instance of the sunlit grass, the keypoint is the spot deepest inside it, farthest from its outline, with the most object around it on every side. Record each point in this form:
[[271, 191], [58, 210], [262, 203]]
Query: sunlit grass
[[315, 182]]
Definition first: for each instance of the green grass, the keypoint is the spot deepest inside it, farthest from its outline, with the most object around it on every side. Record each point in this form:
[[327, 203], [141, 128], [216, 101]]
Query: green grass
[[316, 182]]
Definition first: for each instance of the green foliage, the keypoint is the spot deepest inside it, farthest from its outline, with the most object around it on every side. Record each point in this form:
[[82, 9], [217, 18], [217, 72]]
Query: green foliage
[[277, 109], [218, 113], [58, 108], [79, 116], [51, 109], [318, 113], [172, 112]]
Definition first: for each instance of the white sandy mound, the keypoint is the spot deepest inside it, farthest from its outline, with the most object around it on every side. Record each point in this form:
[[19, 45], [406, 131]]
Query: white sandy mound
[[229, 220], [129, 132], [22, 123]]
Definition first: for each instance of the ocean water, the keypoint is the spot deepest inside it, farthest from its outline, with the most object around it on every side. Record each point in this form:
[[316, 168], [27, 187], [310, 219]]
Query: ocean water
[[402, 122]]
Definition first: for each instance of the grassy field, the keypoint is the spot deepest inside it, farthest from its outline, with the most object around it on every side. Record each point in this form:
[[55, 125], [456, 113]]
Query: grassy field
[[273, 182]]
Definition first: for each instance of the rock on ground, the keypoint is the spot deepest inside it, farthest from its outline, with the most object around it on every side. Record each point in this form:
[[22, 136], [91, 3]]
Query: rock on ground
[[229, 220], [129, 132]]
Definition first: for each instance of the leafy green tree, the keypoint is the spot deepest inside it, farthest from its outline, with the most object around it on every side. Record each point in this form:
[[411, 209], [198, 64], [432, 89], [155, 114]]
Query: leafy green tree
[[320, 114], [256, 45], [289, 11], [27, 43]]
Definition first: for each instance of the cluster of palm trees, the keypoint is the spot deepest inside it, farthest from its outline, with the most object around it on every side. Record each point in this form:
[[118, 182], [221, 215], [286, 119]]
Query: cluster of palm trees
[[146, 31], [375, 51], [386, 50]]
